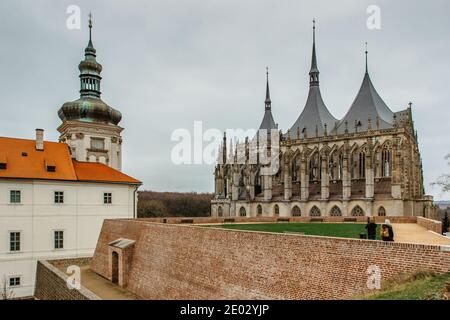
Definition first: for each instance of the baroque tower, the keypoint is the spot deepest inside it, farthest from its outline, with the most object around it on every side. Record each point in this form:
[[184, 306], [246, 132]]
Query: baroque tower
[[90, 126]]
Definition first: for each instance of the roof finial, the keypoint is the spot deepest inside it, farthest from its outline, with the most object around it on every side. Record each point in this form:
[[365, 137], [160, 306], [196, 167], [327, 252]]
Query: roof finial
[[367, 68], [314, 30], [268, 102], [90, 26]]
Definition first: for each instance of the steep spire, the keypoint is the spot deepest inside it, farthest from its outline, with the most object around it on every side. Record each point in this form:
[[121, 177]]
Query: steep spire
[[268, 102], [314, 72], [267, 122]]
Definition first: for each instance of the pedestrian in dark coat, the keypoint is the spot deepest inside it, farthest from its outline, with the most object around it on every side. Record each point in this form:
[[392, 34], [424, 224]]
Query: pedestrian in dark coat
[[371, 227]]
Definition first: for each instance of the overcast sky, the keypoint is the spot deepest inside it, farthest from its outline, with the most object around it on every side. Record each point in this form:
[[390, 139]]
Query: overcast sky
[[170, 63]]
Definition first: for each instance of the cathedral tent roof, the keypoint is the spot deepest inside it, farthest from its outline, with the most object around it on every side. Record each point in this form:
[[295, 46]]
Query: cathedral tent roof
[[315, 115], [367, 105]]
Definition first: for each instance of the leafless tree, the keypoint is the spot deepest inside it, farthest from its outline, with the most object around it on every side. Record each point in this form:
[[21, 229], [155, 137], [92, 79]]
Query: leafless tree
[[444, 180], [5, 292]]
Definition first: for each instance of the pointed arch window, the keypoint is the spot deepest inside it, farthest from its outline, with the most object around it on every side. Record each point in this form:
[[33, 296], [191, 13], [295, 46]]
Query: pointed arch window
[[242, 212], [276, 210], [315, 212], [259, 210], [386, 163], [357, 212], [362, 165], [382, 212], [335, 212], [296, 212]]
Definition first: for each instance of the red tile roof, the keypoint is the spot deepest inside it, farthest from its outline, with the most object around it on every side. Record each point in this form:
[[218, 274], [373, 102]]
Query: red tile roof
[[23, 161], [90, 171]]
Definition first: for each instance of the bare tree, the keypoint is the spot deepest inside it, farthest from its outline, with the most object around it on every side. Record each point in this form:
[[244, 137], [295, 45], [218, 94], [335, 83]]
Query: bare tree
[[444, 180], [5, 292]]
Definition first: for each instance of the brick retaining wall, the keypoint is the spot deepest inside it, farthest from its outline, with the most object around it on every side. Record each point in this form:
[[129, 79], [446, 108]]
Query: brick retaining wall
[[432, 225], [51, 283], [214, 220], [173, 261]]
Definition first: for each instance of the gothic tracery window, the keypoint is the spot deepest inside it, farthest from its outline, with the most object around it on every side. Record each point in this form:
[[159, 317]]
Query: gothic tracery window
[[335, 212], [315, 212], [242, 212], [357, 211]]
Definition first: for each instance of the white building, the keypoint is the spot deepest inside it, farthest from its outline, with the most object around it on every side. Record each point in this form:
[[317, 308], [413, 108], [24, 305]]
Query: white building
[[55, 196]]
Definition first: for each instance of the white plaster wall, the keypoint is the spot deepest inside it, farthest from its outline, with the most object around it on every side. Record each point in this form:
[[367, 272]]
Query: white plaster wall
[[37, 217]]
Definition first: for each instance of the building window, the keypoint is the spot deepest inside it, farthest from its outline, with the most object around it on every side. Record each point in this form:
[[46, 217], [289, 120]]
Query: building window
[[242, 212], [97, 144], [14, 281], [59, 239], [335, 212], [220, 211], [296, 212], [2, 166], [277, 210], [259, 210], [15, 196], [59, 197], [14, 241], [357, 211], [382, 212], [315, 212], [107, 198]]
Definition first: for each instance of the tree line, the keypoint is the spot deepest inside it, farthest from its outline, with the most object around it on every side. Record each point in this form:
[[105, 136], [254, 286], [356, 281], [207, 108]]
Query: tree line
[[173, 204]]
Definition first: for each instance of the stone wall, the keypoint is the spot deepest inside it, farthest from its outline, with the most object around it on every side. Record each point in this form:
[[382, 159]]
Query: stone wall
[[173, 261], [432, 225], [51, 283]]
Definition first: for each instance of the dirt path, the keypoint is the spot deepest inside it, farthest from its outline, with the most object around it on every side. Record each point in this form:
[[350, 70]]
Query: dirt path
[[413, 233], [103, 288]]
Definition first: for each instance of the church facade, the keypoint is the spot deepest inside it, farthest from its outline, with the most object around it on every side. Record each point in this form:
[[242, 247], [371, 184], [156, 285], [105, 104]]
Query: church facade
[[366, 164]]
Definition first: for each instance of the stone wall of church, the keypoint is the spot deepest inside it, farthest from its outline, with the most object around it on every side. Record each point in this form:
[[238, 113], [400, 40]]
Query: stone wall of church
[[189, 262]]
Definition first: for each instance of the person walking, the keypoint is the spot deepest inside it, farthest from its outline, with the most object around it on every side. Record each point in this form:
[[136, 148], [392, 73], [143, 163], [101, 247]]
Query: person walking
[[371, 227], [387, 233]]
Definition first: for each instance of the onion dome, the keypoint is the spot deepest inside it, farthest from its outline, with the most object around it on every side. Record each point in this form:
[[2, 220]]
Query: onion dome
[[315, 117], [367, 111], [90, 107]]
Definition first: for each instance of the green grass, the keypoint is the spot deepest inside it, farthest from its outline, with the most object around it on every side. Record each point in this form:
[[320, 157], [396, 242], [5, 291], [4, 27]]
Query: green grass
[[343, 230], [419, 286]]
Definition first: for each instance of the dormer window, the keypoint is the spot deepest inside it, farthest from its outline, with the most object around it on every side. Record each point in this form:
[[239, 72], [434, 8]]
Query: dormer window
[[50, 166], [3, 162]]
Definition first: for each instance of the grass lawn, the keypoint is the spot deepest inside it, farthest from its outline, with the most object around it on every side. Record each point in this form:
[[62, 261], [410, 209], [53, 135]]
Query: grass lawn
[[420, 286], [343, 230]]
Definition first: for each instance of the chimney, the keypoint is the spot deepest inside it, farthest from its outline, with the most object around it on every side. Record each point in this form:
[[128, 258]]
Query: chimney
[[39, 139]]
